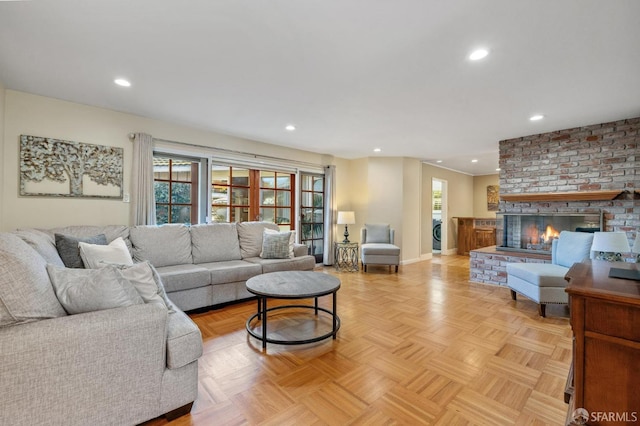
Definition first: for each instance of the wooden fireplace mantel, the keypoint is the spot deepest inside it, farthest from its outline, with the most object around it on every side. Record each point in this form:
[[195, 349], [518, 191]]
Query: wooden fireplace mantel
[[562, 196]]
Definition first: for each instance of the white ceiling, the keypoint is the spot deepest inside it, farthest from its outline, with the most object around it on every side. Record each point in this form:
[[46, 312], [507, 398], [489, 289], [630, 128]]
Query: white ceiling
[[352, 75]]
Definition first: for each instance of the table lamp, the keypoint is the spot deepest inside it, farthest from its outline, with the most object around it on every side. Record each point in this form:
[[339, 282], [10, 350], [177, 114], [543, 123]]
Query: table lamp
[[346, 218], [610, 245]]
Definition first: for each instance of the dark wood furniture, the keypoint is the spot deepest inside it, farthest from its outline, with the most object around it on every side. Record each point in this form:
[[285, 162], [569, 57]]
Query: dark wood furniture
[[472, 237], [605, 318]]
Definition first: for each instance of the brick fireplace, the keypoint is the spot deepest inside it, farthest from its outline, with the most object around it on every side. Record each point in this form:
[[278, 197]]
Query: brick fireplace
[[584, 170]]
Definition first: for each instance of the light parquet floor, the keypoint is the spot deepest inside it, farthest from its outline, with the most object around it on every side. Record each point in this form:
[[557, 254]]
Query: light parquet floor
[[424, 346]]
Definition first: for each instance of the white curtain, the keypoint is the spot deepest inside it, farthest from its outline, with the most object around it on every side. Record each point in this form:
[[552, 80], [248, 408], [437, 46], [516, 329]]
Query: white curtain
[[329, 213], [143, 203]]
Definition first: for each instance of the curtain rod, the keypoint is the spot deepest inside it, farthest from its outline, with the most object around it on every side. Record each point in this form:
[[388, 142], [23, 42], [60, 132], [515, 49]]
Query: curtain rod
[[231, 151]]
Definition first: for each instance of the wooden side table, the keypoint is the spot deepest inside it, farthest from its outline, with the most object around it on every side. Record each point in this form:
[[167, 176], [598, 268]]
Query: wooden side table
[[346, 257], [605, 313]]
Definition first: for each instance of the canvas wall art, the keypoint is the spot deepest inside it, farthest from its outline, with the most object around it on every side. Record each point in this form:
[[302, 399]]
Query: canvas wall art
[[60, 168], [493, 197]]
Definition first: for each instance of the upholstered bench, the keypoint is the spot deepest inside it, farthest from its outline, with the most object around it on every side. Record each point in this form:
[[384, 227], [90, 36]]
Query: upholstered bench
[[544, 283]]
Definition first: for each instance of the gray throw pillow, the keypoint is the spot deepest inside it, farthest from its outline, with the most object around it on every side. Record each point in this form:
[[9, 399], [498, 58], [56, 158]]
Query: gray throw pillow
[[275, 246], [250, 236], [146, 281], [25, 290], [69, 250], [88, 290]]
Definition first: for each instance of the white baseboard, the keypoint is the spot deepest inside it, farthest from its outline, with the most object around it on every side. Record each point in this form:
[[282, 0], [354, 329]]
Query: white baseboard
[[409, 261], [449, 252]]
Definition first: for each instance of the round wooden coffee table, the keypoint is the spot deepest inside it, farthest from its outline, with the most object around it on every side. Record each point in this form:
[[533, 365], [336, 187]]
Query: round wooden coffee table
[[292, 285]]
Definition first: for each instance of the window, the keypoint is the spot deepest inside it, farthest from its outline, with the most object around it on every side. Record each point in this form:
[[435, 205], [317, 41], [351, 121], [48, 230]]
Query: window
[[276, 205], [312, 214], [240, 195], [176, 189], [230, 191]]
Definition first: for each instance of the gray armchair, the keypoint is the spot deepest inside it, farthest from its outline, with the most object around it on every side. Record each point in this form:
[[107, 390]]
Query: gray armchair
[[377, 246], [544, 283]]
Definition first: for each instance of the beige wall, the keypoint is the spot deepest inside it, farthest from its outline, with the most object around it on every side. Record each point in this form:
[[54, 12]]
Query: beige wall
[[480, 184], [391, 190], [40, 116], [385, 190], [3, 169], [459, 204], [411, 209]]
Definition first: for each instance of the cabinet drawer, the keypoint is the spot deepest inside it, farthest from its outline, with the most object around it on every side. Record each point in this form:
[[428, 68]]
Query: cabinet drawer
[[612, 319]]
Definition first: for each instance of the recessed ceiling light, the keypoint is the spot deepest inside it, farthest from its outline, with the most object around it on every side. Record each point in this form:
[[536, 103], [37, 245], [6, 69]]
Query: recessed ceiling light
[[122, 82], [290, 127], [474, 160], [478, 54], [536, 117], [438, 161], [377, 150]]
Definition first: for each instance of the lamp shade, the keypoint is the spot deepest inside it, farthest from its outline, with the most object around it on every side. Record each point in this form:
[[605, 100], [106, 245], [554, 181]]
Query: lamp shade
[[612, 242], [346, 218]]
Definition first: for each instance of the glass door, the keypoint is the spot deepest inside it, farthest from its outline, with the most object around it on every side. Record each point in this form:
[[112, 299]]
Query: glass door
[[312, 214]]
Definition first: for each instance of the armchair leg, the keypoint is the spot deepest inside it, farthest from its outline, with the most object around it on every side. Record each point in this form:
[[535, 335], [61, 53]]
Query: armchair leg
[[542, 309], [396, 268], [513, 295]]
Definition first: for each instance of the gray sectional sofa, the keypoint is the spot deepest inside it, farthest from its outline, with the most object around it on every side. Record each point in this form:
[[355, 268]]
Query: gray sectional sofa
[[209, 264], [127, 364]]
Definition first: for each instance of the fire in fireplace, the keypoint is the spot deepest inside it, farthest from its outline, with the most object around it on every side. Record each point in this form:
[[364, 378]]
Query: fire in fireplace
[[536, 232]]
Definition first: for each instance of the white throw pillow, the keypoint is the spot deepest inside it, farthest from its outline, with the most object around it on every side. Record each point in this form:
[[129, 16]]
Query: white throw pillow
[[97, 256], [292, 239]]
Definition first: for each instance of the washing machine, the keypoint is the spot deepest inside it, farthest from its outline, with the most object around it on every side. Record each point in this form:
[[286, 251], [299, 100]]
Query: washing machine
[[437, 233]]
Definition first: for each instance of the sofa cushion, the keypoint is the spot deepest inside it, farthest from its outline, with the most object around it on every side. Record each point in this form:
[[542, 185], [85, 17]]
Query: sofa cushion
[[377, 233], [539, 274], [250, 236], [163, 245], [380, 249], [302, 263], [97, 256], [110, 231], [214, 242], [231, 271], [43, 243], [183, 277], [26, 293], [88, 290], [184, 341], [275, 245], [573, 247], [292, 242], [69, 249]]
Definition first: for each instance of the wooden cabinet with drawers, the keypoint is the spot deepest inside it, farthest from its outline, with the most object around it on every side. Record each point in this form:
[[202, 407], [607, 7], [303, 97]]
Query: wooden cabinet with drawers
[[605, 319], [471, 236]]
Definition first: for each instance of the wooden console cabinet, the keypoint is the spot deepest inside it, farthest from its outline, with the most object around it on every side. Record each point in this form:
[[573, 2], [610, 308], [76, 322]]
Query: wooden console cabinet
[[472, 237], [605, 318]]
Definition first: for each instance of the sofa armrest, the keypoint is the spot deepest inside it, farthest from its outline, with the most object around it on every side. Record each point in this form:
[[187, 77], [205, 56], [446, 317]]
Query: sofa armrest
[[105, 365], [300, 250]]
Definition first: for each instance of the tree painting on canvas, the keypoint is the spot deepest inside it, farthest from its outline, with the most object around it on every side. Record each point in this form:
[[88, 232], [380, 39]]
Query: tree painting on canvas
[[55, 167]]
